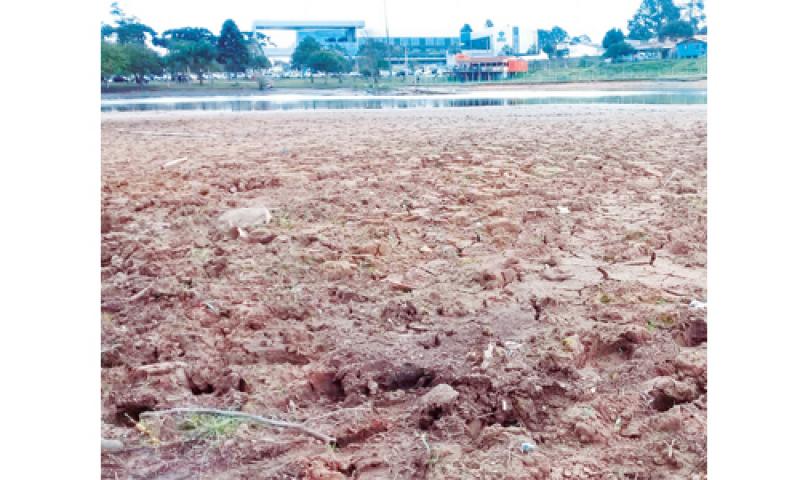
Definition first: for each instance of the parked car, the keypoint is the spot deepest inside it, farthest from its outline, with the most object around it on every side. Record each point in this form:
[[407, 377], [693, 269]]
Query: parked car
[[119, 79]]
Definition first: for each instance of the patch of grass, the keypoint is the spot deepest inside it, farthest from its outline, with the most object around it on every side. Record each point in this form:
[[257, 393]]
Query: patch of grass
[[209, 426], [605, 298], [283, 221], [635, 235], [662, 321]]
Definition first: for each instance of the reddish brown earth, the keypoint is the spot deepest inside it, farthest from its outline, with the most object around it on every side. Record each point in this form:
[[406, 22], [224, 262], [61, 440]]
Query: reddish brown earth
[[435, 288]]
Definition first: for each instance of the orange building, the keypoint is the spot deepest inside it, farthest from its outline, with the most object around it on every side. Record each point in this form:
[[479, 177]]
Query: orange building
[[468, 68]]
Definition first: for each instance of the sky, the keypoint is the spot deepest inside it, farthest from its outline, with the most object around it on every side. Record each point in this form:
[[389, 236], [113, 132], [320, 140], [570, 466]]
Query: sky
[[405, 17]]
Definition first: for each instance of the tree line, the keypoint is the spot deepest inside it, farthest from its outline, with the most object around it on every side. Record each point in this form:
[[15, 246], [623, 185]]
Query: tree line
[[659, 19], [189, 49], [653, 19], [372, 57], [199, 51], [125, 51]]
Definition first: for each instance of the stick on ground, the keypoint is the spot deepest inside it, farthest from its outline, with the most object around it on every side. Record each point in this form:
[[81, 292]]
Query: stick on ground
[[245, 416]]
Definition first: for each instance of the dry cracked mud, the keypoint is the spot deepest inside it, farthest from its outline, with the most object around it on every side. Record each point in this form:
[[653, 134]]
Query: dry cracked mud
[[435, 289]]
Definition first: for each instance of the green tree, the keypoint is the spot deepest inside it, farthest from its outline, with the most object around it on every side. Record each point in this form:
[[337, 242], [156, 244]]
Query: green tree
[[185, 34], [328, 61], [232, 51], [303, 52], [133, 33], [372, 58], [618, 50], [199, 57], [559, 34], [259, 62], [549, 40], [130, 60], [129, 29], [106, 30], [141, 61], [676, 29], [113, 60], [651, 17], [613, 37]]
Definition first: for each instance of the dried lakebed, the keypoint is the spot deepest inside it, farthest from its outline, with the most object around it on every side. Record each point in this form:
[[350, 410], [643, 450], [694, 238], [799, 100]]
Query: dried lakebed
[[450, 293]]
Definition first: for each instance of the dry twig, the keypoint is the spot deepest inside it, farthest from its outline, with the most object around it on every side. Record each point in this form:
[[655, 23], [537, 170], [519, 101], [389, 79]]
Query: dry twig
[[247, 417]]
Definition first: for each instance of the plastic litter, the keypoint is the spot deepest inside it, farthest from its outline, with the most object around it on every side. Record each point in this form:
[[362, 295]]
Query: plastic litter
[[697, 304], [527, 447]]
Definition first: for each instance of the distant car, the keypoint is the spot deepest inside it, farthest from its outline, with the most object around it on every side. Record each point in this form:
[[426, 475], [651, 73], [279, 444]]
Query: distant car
[[119, 79]]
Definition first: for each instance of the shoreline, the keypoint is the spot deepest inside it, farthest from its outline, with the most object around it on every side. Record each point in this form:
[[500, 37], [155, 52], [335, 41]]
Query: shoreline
[[543, 109], [433, 89]]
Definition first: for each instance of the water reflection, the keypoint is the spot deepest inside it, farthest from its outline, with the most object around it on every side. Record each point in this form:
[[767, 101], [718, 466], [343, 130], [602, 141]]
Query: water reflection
[[478, 99]]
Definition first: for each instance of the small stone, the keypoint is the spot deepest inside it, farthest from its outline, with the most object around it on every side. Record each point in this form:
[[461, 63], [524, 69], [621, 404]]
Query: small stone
[[441, 396], [373, 388]]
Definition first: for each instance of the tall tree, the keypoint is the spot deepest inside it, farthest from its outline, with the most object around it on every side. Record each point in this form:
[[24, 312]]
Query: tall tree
[[559, 34], [303, 52], [259, 61], [186, 34], [141, 61], [619, 49], [113, 60], [133, 33], [199, 57], [129, 29], [232, 51], [549, 40], [106, 30], [676, 29], [328, 61], [372, 58], [613, 37], [651, 17]]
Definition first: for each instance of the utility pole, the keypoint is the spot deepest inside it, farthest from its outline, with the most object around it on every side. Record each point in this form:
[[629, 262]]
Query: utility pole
[[386, 22], [388, 45]]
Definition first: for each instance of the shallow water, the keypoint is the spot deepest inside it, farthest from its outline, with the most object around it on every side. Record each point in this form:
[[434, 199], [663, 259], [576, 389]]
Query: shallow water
[[470, 99]]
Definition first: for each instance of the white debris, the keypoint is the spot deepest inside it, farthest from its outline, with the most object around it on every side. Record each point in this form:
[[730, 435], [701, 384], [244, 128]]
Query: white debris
[[697, 304], [241, 218], [487, 356]]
